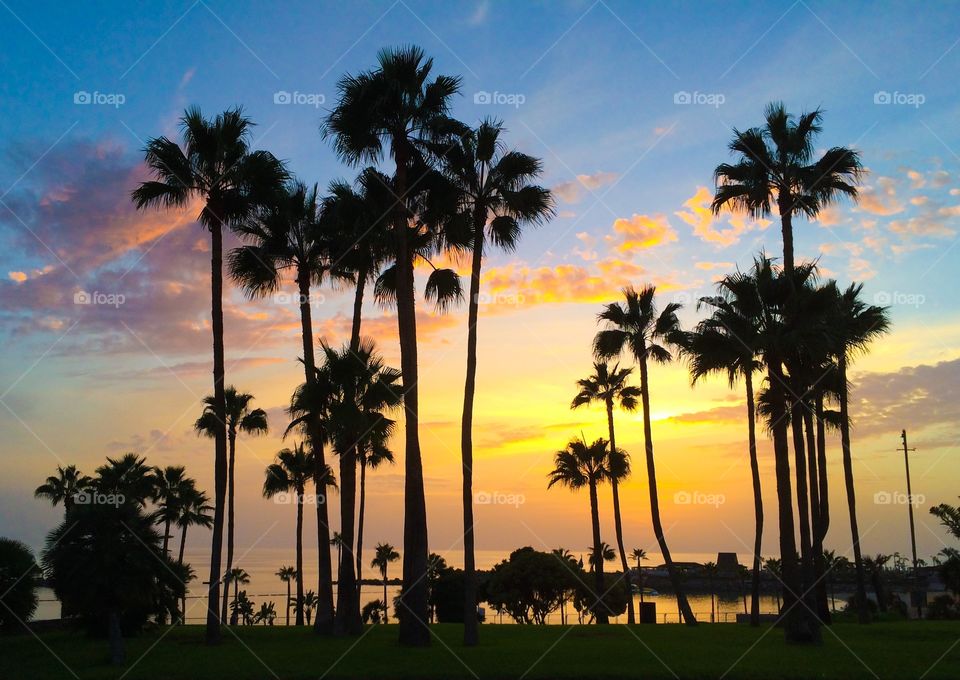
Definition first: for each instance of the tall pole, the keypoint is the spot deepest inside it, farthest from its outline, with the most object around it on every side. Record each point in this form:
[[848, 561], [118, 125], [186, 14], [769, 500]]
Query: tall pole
[[913, 533]]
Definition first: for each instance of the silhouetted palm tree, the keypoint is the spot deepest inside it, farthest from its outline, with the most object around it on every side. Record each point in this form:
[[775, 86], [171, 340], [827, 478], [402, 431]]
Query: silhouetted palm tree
[[267, 614], [64, 486], [775, 163], [240, 418], [194, 511], [855, 325], [495, 200], [710, 569], [215, 166], [290, 474], [637, 328], [577, 466], [309, 604], [608, 385], [237, 577], [128, 476], [394, 108], [639, 554], [384, 554], [171, 483], [288, 574], [372, 457], [727, 342]]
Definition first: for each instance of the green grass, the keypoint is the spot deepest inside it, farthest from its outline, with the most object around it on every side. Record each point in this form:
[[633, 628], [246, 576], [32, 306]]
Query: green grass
[[887, 650]]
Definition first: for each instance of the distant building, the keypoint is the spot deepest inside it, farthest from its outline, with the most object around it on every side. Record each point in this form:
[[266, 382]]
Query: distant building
[[727, 564]]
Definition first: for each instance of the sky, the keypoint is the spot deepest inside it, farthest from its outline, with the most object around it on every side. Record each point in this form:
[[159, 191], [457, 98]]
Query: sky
[[629, 105]]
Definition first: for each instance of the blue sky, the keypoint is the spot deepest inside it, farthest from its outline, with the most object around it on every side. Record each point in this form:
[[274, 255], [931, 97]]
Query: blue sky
[[597, 90]]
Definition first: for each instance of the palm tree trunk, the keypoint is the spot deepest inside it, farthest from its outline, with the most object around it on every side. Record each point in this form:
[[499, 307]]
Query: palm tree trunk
[[183, 543], [823, 521], [360, 516], [757, 502], [117, 652], [166, 537], [386, 607], [799, 627], [816, 514], [863, 614], [288, 604], [213, 632], [323, 623], [299, 610], [786, 229], [640, 586], [617, 522], [413, 624], [682, 602], [471, 631], [599, 607], [232, 444], [347, 621], [357, 309], [803, 497]]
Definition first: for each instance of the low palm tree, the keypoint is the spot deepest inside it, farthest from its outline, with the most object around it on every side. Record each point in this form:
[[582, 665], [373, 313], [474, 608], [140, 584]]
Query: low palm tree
[[194, 511], [337, 542], [237, 577], [582, 465], [290, 473], [241, 609], [637, 328], [639, 554], [727, 342], [287, 575], [383, 556], [309, 604], [216, 166], [608, 386], [267, 614], [240, 419], [171, 483], [64, 486]]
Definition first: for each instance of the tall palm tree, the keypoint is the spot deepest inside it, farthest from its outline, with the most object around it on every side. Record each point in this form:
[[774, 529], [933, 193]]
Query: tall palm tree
[[395, 108], [639, 554], [855, 325], [372, 457], [364, 389], [384, 554], [64, 486], [291, 472], [727, 342], [237, 577], [495, 199], [240, 418], [636, 328], [288, 574], [171, 483], [775, 163], [194, 511], [217, 167], [577, 466], [287, 238], [608, 386]]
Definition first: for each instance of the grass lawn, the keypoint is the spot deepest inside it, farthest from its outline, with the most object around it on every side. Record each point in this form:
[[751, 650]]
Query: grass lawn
[[898, 651]]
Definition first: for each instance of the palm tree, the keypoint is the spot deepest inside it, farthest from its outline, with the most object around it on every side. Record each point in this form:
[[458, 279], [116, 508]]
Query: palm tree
[[639, 554], [396, 106], [216, 166], [727, 342], [608, 385], [337, 542], [775, 163], [377, 455], [64, 486], [855, 325], [241, 609], [495, 199], [128, 476], [384, 554], [577, 466], [194, 511], [291, 472], [237, 577], [309, 604], [267, 614], [240, 418], [566, 558], [288, 574], [288, 237], [171, 483], [636, 327], [710, 569]]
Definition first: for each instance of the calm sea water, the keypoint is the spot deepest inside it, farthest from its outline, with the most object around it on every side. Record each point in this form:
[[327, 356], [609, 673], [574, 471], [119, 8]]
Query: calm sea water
[[263, 563]]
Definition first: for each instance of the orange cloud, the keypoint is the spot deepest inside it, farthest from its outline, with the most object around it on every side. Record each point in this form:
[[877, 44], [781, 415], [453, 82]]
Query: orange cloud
[[642, 231], [700, 216], [881, 199], [572, 191]]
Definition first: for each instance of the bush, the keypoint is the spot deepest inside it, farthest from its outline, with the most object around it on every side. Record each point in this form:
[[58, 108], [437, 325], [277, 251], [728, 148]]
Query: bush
[[943, 607], [19, 575]]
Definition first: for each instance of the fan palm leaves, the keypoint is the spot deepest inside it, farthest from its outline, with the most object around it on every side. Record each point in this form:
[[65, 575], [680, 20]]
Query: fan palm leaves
[[384, 555], [63, 486]]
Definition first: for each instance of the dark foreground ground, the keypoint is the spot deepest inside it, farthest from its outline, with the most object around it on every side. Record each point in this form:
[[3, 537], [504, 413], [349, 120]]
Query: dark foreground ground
[[901, 651]]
